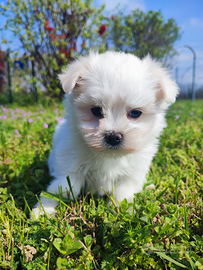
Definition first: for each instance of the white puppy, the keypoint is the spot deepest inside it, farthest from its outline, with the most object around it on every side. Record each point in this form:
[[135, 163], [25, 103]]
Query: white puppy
[[115, 111]]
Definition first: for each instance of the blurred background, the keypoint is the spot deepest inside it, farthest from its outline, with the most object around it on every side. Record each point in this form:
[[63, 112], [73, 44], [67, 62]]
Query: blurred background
[[39, 38]]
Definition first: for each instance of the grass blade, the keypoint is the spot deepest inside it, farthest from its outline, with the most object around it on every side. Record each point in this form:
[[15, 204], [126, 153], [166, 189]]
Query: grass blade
[[164, 256], [185, 219], [71, 190], [161, 194], [55, 197]]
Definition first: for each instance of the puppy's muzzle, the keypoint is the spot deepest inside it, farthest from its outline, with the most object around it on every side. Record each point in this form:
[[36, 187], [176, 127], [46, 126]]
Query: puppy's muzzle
[[113, 139]]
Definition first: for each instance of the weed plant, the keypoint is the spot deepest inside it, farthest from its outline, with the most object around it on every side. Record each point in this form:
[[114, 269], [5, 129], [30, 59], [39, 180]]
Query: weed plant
[[163, 230]]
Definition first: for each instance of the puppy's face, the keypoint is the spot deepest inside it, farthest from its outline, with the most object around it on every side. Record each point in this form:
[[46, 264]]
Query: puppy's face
[[118, 100]]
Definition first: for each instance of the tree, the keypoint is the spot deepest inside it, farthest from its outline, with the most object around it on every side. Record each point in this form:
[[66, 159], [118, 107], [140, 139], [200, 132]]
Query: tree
[[142, 33], [50, 32], [2, 69]]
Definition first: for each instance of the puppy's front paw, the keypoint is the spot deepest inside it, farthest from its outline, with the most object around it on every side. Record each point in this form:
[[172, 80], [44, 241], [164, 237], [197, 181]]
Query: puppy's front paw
[[36, 212]]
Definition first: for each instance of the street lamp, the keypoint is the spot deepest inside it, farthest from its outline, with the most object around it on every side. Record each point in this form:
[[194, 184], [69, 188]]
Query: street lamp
[[193, 77]]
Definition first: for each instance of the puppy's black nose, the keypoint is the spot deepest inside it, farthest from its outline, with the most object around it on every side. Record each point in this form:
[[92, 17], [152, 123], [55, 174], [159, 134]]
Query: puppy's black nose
[[112, 138]]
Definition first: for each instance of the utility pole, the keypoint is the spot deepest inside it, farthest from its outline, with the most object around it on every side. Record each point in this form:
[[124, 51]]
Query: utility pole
[[193, 76]]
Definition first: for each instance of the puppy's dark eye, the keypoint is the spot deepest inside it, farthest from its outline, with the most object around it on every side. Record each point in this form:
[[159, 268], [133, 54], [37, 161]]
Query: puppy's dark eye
[[135, 114], [97, 111]]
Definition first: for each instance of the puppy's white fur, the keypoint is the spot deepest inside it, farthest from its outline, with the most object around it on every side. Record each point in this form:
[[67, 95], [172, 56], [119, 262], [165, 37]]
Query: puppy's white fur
[[118, 83]]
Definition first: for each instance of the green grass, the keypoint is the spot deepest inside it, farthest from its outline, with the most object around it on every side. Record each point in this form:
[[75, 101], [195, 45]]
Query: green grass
[[164, 230]]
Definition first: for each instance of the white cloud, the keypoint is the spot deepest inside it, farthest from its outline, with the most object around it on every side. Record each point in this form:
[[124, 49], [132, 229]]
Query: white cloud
[[196, 22], [184, 57], [184, 54]]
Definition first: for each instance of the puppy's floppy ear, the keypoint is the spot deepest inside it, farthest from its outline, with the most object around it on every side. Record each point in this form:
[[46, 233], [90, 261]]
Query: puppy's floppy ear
[[73, 74], [167, 88]]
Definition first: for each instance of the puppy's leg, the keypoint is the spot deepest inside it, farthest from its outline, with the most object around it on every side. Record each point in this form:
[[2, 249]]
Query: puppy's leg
[[127, 188], [49, 205]]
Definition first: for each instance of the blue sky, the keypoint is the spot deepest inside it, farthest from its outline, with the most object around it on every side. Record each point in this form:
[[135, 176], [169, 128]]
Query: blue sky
[[189, 16]]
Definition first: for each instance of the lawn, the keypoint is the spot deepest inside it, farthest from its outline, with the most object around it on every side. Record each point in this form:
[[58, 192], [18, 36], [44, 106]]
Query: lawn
[[164, 231]]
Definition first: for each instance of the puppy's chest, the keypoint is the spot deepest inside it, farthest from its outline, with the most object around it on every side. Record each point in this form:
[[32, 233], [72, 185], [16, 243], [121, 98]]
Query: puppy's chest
[[107, 170]]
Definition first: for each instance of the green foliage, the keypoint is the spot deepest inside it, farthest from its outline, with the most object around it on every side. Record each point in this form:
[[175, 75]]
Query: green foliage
[[141, 33], [50, 32], [68, 245], [26, 172], [163, 229], [53, 33]]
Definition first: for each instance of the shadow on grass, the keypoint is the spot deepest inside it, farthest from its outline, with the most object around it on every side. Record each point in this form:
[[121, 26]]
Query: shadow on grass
[[29, 182]]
